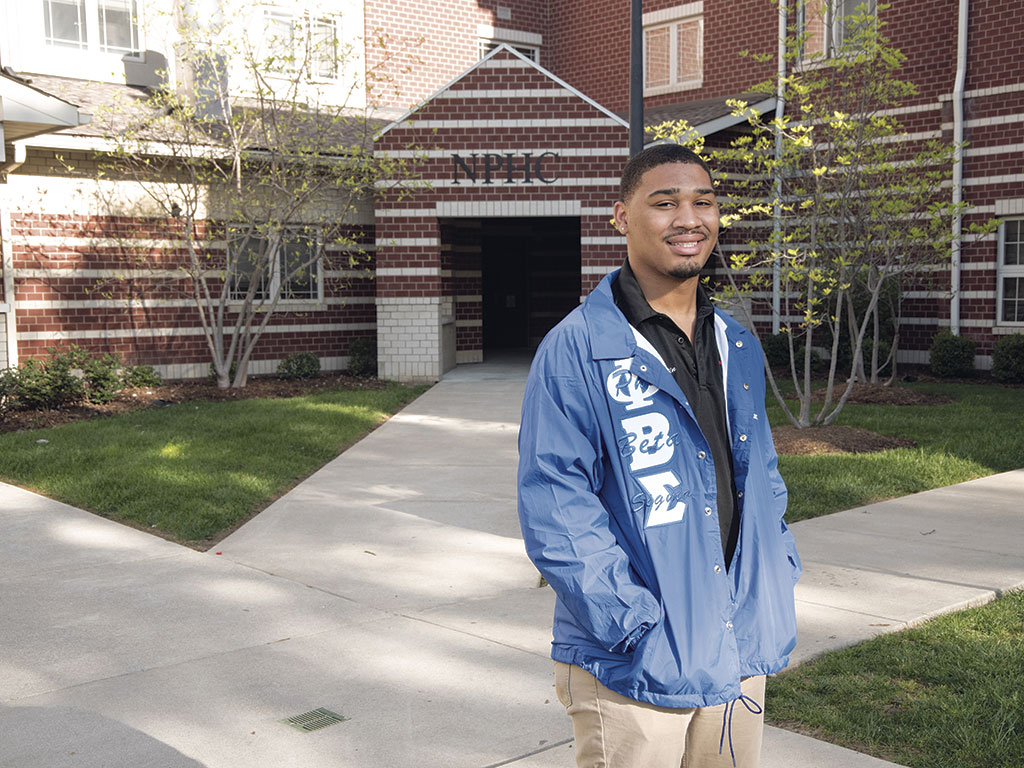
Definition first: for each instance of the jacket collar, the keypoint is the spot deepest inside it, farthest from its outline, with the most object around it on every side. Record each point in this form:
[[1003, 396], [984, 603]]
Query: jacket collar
[[612, 337]]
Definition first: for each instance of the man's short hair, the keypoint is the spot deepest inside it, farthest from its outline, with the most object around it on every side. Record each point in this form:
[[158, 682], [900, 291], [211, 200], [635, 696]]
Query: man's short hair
[[652, 157]]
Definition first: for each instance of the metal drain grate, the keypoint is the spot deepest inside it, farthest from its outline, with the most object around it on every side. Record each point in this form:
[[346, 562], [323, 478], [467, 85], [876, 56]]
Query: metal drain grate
[[315, 719]]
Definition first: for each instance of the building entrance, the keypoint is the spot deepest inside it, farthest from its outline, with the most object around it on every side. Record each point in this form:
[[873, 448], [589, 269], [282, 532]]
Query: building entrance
[[530, 279]]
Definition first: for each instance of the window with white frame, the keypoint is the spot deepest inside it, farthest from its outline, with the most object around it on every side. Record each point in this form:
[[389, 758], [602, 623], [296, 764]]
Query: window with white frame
[[107, 26], [1011, 271], [297, 43], [288, 261], [673, 50], [526, 43], [531, 52], [823, 25]]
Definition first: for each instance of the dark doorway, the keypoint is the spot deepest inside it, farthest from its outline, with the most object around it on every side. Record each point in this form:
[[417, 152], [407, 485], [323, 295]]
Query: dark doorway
[[531, 278]]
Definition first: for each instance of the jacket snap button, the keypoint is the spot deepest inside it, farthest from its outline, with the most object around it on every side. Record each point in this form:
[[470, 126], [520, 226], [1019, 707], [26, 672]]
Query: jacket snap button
[[707, 510], [746, 386], [643, 367], [728, 625], [718, 569], [739, 494], [739, 343], [743, 438], [701, 455]]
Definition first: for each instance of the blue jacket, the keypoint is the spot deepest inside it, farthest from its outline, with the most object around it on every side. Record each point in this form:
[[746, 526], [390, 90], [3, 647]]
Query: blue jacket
[[617, 501]]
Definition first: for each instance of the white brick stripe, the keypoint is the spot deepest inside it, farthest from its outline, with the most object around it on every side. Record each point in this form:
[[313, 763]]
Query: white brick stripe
[[511, 93], [407, 213], [612, 183], [505, 64], [576, 122], [409, 301], [435, 154], [109, 242], [997, 150], [293, 305], [598, 270], [613, 240], [159, 333], [409, 271], [407, 242], [508, 208], [982, 122], [981, 92]]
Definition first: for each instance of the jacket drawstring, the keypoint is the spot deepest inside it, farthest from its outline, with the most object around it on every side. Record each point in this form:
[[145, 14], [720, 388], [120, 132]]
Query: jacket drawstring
[[752, 706]]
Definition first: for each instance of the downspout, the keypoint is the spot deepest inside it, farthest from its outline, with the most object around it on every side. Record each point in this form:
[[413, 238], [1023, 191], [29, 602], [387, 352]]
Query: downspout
[[780, 110], [636, 77], [958, 167]]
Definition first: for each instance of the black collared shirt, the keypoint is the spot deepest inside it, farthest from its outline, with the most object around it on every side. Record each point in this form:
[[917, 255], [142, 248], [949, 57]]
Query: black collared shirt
[[697, 368]]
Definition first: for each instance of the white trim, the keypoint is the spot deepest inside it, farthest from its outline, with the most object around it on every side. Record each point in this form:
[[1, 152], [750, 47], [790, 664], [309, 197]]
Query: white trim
[[601, 240], [1003, 149], [598, 270], [7, 273], [509, 35], [488, 61], [912, 109], [671, 14], [1010, 207]]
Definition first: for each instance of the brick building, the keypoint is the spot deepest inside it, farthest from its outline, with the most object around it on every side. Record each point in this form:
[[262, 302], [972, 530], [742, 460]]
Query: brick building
[[522, 146]]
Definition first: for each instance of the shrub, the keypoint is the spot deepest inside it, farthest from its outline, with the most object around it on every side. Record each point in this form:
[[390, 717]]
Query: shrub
[[776, 350], [48, 385], [301, 365], [1008, 359], [8, 389], [951, 356], [141, 376], [362, 357], [102, 378]]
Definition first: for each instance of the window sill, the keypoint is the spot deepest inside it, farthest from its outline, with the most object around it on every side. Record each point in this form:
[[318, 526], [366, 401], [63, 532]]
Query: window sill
[[690, 85]]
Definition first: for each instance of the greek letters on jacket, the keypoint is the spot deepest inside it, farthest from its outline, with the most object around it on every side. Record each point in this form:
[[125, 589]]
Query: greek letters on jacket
[[616, 499]]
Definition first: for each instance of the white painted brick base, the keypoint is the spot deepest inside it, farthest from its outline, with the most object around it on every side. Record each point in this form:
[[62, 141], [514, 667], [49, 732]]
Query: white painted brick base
[[409, 339]]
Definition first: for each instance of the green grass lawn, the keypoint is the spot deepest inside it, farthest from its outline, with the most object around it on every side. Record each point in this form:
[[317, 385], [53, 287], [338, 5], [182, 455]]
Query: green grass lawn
[[195, 470], [946, 694], [980, 434]]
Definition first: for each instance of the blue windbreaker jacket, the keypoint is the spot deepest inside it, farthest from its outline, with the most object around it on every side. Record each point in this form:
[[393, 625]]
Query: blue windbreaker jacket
[[617, 502]]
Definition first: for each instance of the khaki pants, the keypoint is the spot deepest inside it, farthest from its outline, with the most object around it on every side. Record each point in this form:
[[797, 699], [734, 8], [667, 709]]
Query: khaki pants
[[613, 731]]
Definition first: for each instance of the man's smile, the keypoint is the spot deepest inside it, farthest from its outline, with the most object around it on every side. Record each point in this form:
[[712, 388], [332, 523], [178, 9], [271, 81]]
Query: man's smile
[[686, 243]]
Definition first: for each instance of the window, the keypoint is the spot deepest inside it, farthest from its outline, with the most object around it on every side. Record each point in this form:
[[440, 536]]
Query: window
[[64, 21], [300, 44], [531, 52], [825, 24], [673, 55], [1011, 271], [109, 26], [295, 266]]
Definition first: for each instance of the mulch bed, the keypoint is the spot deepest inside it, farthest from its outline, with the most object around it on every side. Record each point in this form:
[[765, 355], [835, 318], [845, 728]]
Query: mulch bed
[[876, 394], [811, 441], [179, 392]]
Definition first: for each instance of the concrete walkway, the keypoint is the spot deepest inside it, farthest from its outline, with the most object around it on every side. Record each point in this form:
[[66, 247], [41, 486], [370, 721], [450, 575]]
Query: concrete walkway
[[391, 588]]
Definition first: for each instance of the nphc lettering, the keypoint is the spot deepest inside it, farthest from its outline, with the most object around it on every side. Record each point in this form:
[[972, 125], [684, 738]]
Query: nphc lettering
[[509, 167]]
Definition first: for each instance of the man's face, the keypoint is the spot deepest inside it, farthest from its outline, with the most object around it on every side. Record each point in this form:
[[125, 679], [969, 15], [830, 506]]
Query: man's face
[[670, 223]]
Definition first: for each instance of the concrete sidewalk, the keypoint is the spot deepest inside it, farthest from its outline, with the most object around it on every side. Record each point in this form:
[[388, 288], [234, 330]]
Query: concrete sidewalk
[[391, 587]]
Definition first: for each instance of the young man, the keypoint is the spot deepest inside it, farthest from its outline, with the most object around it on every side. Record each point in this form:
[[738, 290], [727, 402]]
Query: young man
[[650, 500]]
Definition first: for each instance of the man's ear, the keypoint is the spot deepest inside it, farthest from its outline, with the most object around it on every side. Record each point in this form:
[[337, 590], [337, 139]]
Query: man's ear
[[619, 214]]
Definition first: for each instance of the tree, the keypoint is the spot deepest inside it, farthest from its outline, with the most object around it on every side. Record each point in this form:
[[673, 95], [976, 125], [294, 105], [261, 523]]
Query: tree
[[858, 204], [256, 159]]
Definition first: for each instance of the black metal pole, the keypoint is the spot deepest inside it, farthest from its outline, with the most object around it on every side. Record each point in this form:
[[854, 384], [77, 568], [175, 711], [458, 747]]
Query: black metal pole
[[636, 77]]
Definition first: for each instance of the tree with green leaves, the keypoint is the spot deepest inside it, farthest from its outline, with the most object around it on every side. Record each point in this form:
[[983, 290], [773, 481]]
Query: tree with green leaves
[[256, 155], [859, 207]]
